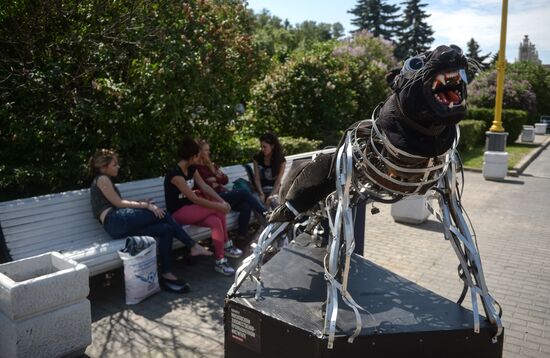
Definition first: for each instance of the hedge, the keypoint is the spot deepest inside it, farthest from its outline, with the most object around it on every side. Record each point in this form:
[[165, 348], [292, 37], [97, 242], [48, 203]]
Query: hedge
[[245, 148], [512, 120], [472, 133]]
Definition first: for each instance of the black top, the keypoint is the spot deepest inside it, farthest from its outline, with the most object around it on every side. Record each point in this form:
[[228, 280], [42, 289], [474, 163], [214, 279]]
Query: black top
[[173, 197], [98, 200], [268, 173]]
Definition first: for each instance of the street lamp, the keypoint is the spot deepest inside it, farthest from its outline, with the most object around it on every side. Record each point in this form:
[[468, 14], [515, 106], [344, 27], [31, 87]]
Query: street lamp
[[495, 162]]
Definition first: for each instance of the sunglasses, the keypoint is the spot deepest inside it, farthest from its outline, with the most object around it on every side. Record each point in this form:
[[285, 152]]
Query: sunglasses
[[415, 63]]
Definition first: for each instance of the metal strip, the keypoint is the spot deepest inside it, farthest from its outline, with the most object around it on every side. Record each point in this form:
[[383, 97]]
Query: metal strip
[[292, 209], [404, 169], [461, 234], [252, 262], [396, 150]]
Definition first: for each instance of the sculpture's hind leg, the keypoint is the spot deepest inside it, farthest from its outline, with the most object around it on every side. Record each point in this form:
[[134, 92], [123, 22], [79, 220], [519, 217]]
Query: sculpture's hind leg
[[456, 230]]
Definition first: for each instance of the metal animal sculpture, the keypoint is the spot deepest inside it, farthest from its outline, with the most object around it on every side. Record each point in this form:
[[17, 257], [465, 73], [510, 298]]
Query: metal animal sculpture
[[408, 147]]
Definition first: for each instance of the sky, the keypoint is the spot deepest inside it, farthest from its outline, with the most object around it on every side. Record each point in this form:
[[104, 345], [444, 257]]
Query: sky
[[453, 21]]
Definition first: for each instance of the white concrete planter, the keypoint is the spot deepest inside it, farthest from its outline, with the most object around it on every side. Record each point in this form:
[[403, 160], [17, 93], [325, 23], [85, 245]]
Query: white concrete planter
[[540, 128], [412, 210], [495, 165], [528, 134], [43, 307]]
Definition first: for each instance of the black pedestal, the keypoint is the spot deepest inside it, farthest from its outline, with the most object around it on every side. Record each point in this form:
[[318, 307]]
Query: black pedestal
[[409, 321]]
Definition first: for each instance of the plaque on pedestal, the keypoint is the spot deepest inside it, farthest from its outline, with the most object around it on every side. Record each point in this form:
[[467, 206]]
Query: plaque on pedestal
[[405, 320]]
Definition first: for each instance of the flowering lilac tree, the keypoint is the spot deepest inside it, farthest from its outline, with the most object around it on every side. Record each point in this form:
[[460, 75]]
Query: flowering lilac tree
[[518, 92], [317, 93]]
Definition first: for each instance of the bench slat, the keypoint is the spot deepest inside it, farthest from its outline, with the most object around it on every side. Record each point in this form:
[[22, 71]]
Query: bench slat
[[64, 221], [67, 241]]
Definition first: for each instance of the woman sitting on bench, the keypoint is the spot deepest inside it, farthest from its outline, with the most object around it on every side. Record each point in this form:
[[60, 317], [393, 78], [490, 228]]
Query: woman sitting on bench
[[203, 208], [240, 200], [269, 168], [121, 217]]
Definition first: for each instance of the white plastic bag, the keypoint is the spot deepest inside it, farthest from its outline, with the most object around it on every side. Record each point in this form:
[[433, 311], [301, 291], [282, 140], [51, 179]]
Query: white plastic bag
[[140, 274]]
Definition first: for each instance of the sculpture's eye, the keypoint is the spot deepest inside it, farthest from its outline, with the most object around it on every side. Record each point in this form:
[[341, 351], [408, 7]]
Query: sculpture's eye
[[411, 65]]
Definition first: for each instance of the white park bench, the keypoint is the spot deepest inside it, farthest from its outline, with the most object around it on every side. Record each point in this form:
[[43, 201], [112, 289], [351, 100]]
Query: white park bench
[[63, 222]]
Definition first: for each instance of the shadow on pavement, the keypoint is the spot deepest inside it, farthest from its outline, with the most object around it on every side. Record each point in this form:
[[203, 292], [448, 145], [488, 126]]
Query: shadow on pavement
[[430, 225], [165, 324], [507, 181]]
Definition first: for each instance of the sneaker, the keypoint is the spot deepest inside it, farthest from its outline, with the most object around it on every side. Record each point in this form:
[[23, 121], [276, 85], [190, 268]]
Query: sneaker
[[233, 252], [223, 268]]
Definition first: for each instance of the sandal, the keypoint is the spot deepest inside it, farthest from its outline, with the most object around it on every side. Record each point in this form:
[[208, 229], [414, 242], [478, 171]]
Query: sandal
[[198, 250]]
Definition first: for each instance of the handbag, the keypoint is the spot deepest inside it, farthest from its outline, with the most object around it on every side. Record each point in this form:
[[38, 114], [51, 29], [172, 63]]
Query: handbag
[[242, 185]]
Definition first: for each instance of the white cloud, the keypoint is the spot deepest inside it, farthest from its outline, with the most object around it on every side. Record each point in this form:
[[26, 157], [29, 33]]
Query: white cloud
[[460, 25]]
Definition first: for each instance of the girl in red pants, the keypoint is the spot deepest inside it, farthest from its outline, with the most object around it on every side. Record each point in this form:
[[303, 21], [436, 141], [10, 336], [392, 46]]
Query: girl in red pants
[[205, 208]]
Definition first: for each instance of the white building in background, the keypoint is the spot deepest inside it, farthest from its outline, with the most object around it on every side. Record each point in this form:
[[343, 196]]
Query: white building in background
[[528, 52]]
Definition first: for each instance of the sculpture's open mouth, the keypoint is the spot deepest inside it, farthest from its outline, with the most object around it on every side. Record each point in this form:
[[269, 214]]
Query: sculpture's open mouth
[[447, 89]]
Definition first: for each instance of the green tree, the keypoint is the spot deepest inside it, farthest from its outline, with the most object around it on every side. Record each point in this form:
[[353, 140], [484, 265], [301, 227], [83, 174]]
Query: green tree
[[538, 77], [279, 38], [476, 59], [338, 30], [473, 52], [272, 35], [518, 92], [309, 32], [132, 74], [319, 92], [415, 35], [376, 16], [494, 59]]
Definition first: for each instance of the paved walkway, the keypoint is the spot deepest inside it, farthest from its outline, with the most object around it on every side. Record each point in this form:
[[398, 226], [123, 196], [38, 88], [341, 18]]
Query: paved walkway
[[511, 219]]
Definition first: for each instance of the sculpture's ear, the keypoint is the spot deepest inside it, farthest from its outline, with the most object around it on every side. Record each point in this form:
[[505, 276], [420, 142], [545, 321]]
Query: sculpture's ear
[[390, 76]]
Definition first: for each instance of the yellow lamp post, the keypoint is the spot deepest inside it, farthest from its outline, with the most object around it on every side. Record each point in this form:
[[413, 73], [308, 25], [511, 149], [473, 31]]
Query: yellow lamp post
[[495, 163], [501, 65]]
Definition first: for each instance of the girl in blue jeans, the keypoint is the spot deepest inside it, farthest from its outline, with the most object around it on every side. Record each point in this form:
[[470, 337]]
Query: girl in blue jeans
[[121, 217]]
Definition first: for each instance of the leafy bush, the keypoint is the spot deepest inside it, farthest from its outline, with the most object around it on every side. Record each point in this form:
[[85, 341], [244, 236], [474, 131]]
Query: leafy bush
[[512, 120], [472, 133], [518, 92], [526, 87], [245, 148], [538, 77], [132, 75], [481, 114], [319, 92], [299, 145]]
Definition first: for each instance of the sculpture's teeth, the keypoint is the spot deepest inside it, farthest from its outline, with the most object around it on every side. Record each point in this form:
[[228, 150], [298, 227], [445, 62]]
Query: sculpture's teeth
[[451, 74]]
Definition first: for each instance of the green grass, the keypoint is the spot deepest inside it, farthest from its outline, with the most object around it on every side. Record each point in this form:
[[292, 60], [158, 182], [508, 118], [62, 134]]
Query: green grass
[[473, 158]]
